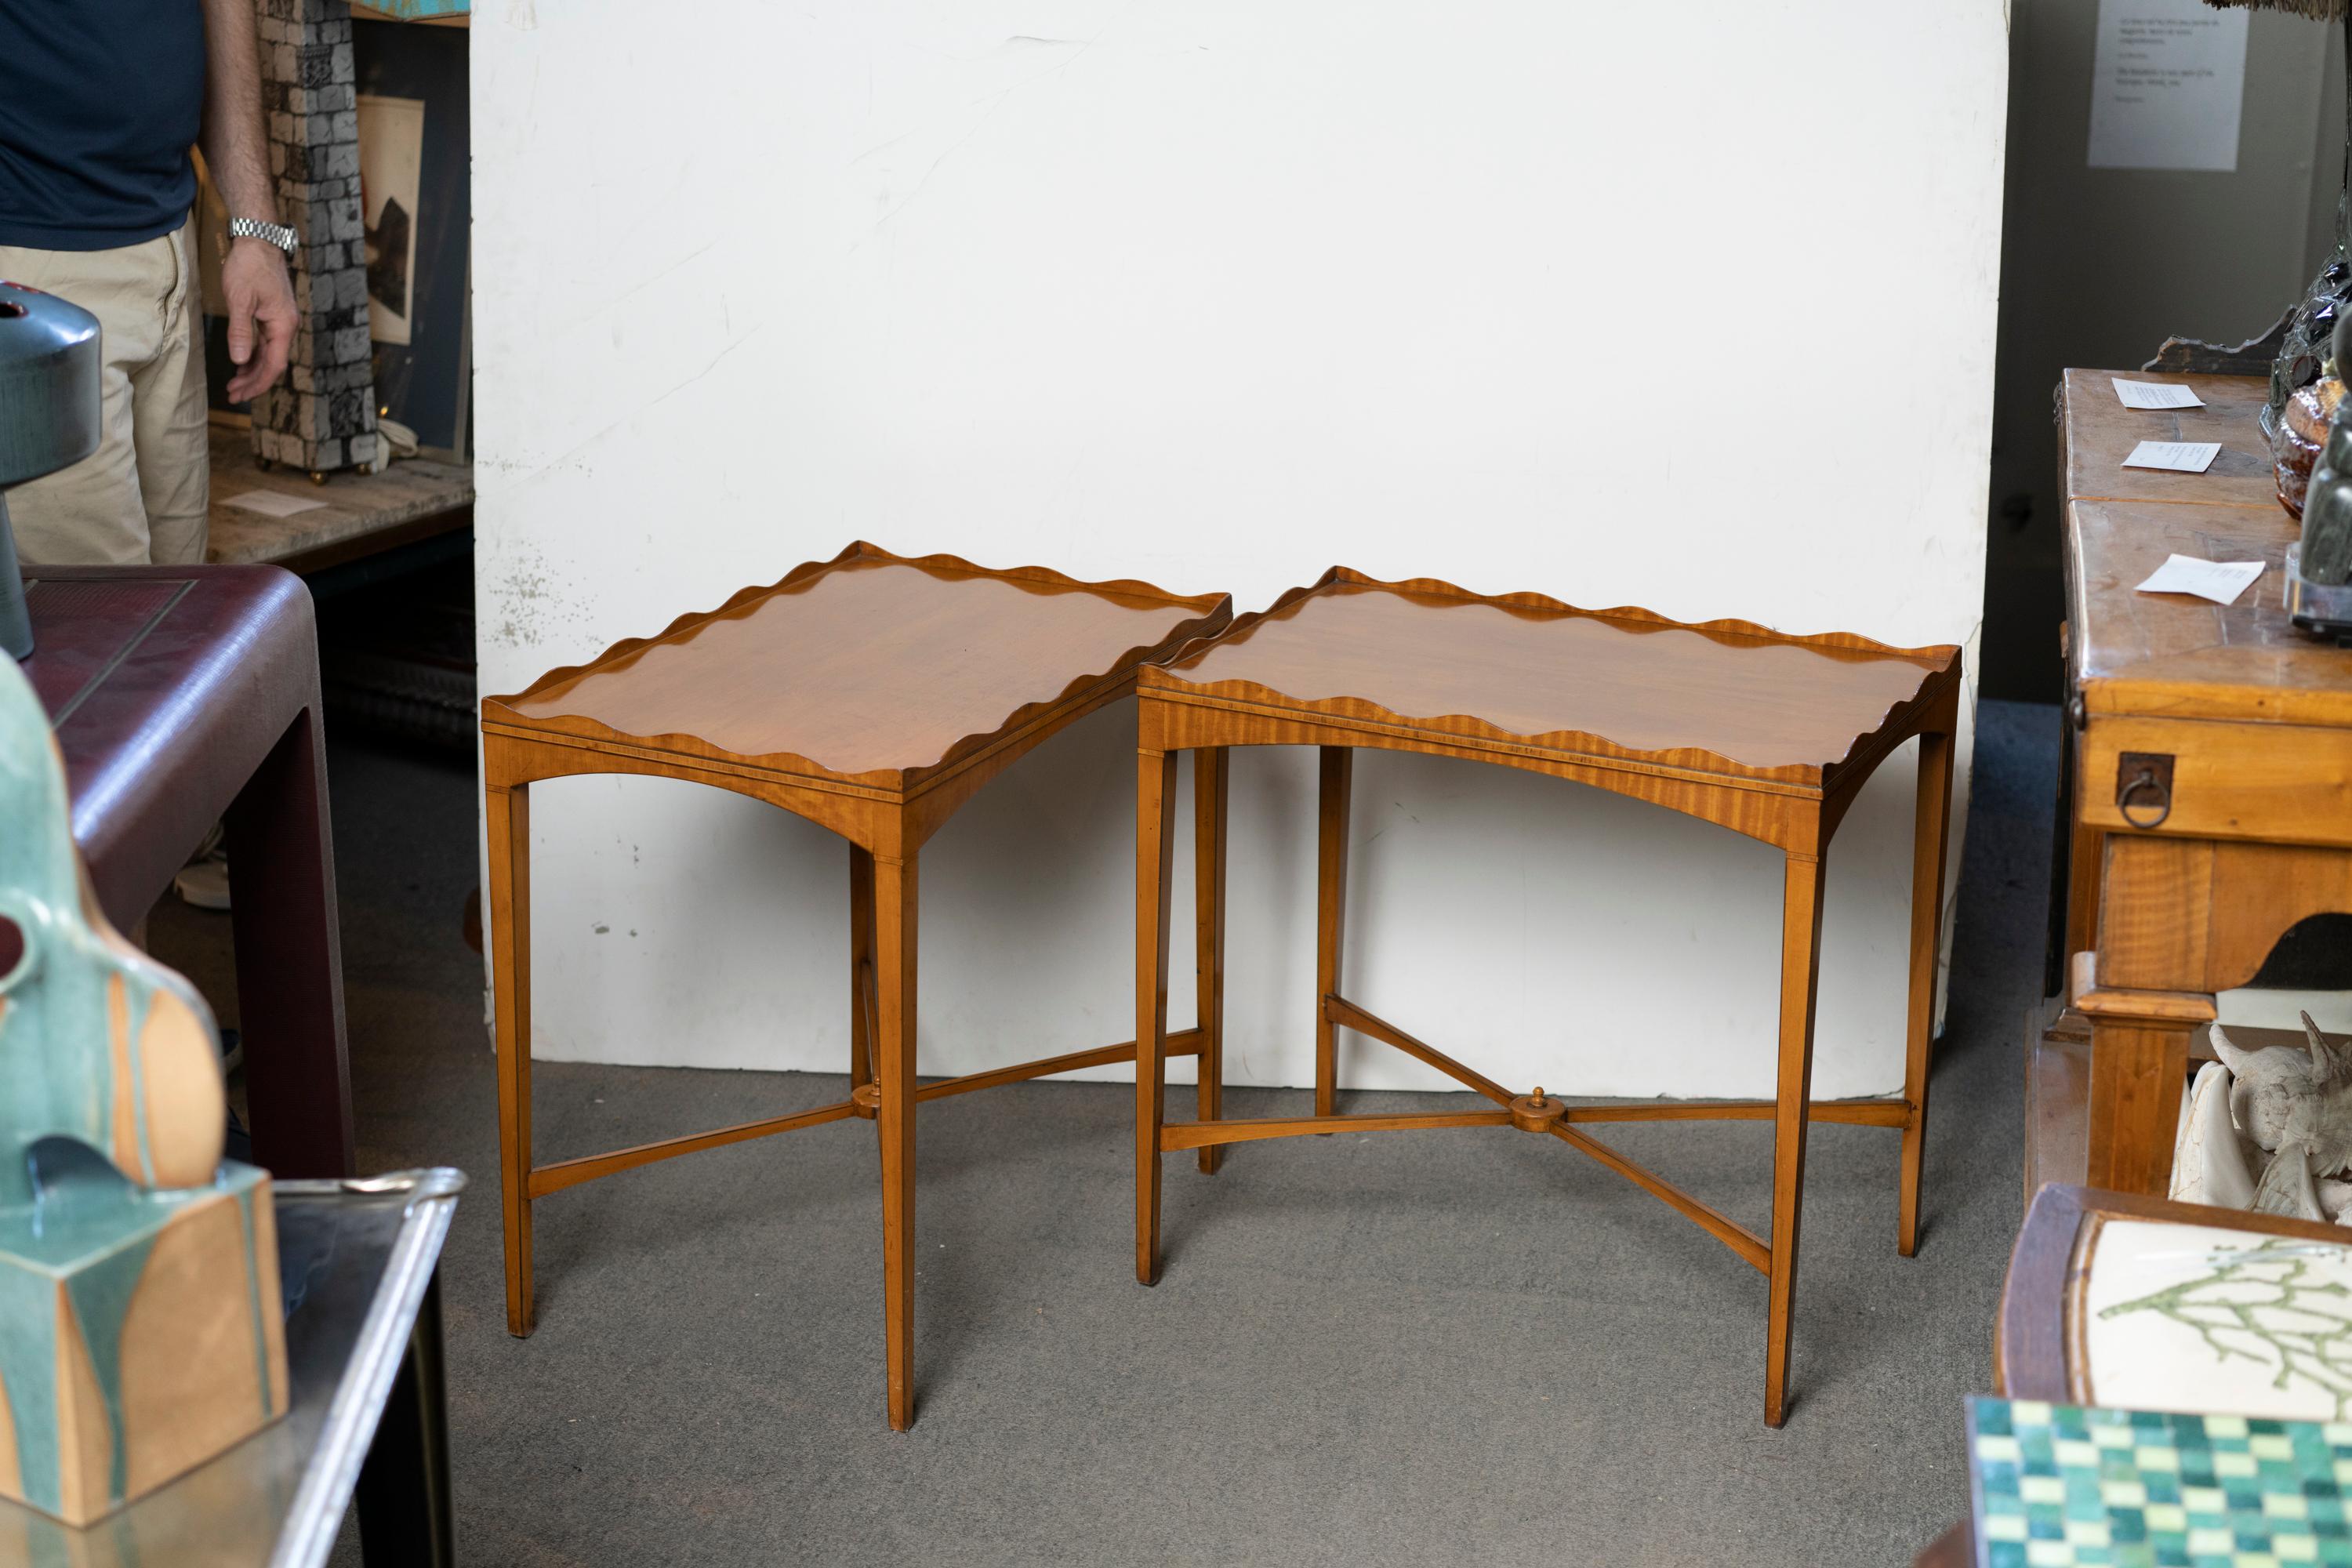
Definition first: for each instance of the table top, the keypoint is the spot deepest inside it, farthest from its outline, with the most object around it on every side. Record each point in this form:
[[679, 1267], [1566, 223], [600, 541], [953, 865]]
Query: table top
[[166, 686], [2170, 655], [1726, 696], [870, 667], [354, 1259], [2098, 432]]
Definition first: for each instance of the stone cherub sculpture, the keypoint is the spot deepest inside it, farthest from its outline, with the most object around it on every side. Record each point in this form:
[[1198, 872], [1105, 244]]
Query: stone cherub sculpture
[[141, 1324], [2288, 1111]]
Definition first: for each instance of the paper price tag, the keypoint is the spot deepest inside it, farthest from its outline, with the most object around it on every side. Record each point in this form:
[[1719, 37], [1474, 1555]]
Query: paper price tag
[[271, 503], [2155, 394], [2178, 456], [2220, 581]]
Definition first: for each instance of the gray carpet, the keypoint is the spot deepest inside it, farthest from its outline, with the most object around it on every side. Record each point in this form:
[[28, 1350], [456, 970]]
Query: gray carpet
[[1401, 1348]]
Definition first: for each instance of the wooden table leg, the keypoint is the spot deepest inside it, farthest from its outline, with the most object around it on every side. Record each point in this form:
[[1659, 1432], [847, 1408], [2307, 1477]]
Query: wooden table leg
[[1210, 776], [894, 1071], [1930, 817], [1800, 946], [861, 963], [1155, 836], [1334, 787], [2137, 1069], [507, 810], [2139, 1065]]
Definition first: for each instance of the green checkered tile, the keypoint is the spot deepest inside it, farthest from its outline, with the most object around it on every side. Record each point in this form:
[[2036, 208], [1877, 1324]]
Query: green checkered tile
[[2060, 1485]]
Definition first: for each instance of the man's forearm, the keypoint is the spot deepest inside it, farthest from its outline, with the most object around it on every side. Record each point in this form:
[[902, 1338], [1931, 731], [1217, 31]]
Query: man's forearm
[[233, 145]]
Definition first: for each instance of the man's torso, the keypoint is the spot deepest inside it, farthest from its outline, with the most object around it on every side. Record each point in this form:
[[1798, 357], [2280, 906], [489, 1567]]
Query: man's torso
[[100, 102]]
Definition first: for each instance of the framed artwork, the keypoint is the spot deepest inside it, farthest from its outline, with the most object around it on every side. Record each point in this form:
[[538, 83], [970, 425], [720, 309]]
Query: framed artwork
[[416, 205], [392, 156]]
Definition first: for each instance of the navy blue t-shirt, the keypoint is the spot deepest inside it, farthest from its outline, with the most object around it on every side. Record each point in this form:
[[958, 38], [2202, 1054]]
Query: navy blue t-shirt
[[100, 102]]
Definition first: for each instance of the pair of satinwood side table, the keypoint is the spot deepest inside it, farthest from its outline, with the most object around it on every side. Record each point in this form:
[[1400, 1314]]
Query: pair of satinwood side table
[[874, 694]]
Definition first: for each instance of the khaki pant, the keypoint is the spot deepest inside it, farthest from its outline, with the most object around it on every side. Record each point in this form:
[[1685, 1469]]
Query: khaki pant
[[141, 497]]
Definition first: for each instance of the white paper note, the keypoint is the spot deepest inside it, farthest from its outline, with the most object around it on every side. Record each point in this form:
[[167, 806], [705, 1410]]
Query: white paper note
[[2220, 581], [2167, 81], [2155, 394], [2180, 456], [272, 503]]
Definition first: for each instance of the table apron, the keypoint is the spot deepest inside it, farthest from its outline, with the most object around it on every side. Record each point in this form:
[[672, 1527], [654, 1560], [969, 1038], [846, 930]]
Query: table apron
[[1788, 816], [2278, 784], [2202, 915]]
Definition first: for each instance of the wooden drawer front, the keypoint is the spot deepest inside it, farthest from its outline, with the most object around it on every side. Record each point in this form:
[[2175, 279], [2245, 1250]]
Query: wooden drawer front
[[2279, 783]]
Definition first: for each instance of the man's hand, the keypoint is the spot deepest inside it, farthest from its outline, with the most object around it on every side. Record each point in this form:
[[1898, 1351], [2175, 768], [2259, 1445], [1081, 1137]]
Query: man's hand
[[260, 315]]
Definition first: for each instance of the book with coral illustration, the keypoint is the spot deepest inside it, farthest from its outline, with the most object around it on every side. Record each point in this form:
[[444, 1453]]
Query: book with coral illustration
[[2194, 1317]]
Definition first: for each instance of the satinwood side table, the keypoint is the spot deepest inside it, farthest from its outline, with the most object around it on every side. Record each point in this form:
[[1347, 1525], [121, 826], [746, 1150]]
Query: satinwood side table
[[1770, 736], [872, 695]]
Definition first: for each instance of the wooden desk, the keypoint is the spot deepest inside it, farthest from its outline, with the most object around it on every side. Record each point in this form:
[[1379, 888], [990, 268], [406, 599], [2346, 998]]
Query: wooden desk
[[874, 696], [2250, 722], [1770, 736]]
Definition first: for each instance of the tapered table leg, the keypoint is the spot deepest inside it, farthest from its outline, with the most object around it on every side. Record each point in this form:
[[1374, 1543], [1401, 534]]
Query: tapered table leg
[[1801, 942], [1155, 836], [1930, 818], [1337, 775], [894, 1071], [507, 810], [1209, 773]]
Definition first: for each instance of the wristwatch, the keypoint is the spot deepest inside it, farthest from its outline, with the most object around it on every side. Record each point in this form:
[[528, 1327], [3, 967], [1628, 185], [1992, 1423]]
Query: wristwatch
[[276, 233]]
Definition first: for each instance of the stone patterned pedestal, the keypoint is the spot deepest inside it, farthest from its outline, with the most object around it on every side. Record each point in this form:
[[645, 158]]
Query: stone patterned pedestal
[[322, 416]]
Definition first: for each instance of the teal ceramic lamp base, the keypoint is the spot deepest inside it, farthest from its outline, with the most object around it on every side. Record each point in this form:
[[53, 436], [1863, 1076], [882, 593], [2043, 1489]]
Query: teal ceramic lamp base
[[141, 1333], [142, 1329]]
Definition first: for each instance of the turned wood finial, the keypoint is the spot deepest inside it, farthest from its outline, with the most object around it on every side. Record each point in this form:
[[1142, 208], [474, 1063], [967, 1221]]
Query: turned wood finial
[[1534, 1113]]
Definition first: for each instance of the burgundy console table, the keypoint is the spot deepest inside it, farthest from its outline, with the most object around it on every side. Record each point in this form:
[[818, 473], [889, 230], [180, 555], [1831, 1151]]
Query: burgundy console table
[[180, 695]]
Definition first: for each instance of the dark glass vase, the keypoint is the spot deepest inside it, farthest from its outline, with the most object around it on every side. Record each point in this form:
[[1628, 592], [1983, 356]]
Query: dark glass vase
[[2306, 349]]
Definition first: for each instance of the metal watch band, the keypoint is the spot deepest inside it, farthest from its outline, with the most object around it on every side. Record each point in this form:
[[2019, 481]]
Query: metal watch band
[[276, 233]]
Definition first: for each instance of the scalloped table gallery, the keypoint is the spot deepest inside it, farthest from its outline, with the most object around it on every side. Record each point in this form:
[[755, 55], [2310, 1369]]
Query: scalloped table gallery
[[1768, 735], [873, 695]]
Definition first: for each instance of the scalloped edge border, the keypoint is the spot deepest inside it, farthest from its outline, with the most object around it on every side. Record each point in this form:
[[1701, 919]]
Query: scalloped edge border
[[1184, 636], [1939, 661]]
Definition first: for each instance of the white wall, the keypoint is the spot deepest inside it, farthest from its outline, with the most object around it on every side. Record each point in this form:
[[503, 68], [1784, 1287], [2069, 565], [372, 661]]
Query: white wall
[[1685, 305]]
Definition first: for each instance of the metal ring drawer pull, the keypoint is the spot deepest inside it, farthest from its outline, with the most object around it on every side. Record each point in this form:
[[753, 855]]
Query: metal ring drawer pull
[[2144, 782]]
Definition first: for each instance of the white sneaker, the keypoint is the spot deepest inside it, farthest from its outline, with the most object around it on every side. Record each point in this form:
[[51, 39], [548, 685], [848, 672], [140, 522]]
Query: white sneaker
[[204, 883]]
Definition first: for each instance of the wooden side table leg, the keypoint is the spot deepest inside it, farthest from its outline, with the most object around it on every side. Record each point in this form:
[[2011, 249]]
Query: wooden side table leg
[[1930, 820], [1800, 946], [1334, 787], [861, 964], [1210, 773], [1155, 834], [894, 1071], [507, 810]]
